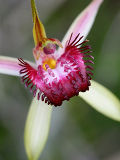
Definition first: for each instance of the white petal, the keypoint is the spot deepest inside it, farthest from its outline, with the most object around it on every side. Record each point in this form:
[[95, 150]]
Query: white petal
[[103, 100], [83, 23], [10, 66], [37, 128]]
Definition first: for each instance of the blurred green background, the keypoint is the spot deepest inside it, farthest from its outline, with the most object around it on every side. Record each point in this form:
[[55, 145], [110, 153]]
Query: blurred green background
[[77, 131]]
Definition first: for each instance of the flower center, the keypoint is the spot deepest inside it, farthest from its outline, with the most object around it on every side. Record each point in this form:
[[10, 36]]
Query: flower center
[[50, 48], [50, 62], [44, 53]]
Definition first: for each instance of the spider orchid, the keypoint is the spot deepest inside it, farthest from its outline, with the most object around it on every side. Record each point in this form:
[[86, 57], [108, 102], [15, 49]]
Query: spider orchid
[[59, 75]]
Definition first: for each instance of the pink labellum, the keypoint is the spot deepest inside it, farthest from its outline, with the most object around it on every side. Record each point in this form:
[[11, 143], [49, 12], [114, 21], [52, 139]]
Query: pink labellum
[[70, 76]]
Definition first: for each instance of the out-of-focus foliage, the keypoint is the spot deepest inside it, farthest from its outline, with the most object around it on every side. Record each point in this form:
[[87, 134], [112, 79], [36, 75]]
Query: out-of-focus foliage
[[77, 131]]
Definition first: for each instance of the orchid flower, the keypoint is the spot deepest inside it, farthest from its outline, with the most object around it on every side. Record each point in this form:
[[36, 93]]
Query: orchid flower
[[58, 75]]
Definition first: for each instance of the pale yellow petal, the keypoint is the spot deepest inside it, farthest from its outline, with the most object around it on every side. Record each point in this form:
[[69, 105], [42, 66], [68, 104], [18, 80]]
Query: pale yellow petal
[[37, 128], [103, 100]]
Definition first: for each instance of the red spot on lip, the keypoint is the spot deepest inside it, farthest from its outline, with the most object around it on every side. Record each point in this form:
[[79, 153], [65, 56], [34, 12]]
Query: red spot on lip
[[71, 75]]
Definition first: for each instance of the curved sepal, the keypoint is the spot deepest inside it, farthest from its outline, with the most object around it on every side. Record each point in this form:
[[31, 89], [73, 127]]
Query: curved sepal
[[10, 66], [82, 24], [37, 128], [103, 100]]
